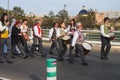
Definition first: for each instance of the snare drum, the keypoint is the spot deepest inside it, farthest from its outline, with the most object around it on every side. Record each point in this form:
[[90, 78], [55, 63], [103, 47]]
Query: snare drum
[[66, 39], [87, 47]]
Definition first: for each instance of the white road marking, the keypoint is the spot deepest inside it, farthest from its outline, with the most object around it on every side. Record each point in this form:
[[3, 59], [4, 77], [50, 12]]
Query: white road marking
[[2, 78]]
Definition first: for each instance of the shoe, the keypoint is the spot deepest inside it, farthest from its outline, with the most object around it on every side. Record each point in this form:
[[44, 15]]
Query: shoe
[[31, 55], [70, 61], [24, 57], [10, 62], [1, 61], [104, 58], [85, 64], [60, 59], [43, 55], [13, 57]]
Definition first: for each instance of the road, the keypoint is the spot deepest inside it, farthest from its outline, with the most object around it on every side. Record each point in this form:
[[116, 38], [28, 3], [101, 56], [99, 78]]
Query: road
[[34, 68]]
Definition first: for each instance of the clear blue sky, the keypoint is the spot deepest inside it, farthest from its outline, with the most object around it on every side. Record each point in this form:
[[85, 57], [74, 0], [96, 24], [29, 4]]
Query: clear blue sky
[[73, 7]]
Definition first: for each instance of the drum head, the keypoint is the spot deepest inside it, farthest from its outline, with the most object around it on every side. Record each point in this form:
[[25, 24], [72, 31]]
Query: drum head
[[66, 37], [87, 46]]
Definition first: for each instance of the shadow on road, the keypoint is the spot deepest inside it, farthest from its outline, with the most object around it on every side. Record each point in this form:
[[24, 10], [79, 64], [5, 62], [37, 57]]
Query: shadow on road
[[33, 77]]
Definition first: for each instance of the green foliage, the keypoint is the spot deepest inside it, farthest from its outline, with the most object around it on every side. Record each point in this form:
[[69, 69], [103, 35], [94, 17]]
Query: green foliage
[[87, 21], [18, 12]]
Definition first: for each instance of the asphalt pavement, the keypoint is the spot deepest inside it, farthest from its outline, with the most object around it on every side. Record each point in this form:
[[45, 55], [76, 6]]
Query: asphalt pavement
[[34, 68]]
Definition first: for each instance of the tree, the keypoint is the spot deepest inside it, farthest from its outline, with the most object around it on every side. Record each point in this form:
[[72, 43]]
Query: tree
[[18, 12], [51, 14], [63, 14], [89, 20]]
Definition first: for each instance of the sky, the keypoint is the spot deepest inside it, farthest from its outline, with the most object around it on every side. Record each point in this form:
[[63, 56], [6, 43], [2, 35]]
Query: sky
[[43, 7]]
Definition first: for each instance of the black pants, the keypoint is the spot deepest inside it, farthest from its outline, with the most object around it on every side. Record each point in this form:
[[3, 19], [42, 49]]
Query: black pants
[[37, 42], [78, 50], [19, 47], [55, 46], [105, 46], [24, 44], [62, 48]]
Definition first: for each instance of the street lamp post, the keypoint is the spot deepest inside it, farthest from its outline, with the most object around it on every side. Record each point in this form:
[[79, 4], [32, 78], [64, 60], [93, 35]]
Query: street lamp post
[[8, 8]]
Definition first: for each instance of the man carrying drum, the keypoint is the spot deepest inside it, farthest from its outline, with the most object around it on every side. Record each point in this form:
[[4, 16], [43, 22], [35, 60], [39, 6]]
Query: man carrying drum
[[62, 45], [77, 41], [105, 38]]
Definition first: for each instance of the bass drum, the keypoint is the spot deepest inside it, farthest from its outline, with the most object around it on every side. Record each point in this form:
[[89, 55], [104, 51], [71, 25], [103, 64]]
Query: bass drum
[[66, 39], [87, 47]]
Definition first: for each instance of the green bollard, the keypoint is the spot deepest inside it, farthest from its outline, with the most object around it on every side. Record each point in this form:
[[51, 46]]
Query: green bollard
[[51, 69]]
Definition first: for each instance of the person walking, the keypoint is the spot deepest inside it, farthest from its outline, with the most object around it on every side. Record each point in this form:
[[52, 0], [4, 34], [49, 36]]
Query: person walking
[[54, 38], [5, 39], [37, 39], [105, 38], [76, 45]]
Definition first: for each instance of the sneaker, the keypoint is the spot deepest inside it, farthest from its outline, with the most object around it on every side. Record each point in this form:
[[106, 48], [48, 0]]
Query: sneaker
[[43, 55], [25, 56], [60, 59], [10, 62], [72, 62], [13, 57], [104, 58], [85, 64]]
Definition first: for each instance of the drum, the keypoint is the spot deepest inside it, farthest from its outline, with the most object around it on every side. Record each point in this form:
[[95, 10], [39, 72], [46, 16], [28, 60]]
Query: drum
[[87, 47], [66, 39], [112, 36]]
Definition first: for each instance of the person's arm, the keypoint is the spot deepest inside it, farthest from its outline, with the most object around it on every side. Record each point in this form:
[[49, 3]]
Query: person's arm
[[74, 38], [2, 28], [103, 32], [50, 33], [58, 32]]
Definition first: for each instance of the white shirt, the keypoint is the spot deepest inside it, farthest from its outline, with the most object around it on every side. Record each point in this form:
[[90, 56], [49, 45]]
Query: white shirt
[[23, 29], [103, 32], [68, 29], [58, 31], [75, 37], [2, 28], [51, 32], [36, 32]]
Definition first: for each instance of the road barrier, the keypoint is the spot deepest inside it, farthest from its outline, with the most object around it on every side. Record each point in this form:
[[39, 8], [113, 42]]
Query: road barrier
[[51, 69]]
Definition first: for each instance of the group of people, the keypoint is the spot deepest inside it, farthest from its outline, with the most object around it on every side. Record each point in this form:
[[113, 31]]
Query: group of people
[[15, 38], [75, 40]]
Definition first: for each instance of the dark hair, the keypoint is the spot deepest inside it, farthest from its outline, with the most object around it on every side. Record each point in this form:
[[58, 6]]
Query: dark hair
[[2, 18], [24, 20], [74, 22], [54, 23], [106, 18]]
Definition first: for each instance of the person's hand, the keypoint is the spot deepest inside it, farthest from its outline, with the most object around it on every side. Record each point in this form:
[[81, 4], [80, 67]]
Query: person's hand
[[72, 47], [7, 23], [20, 34]]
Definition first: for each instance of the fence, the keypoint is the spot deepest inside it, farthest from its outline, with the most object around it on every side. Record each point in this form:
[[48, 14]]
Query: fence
[[91, 35]]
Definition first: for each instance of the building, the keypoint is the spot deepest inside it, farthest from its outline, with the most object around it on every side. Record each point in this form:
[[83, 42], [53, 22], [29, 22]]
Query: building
[[99, 17], [112, 14]]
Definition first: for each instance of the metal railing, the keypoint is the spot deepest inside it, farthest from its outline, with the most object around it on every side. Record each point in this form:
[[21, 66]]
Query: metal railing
[[92, 35]]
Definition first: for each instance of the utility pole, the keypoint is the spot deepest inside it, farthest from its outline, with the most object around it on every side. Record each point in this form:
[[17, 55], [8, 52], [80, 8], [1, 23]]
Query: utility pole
[[8, 9]]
